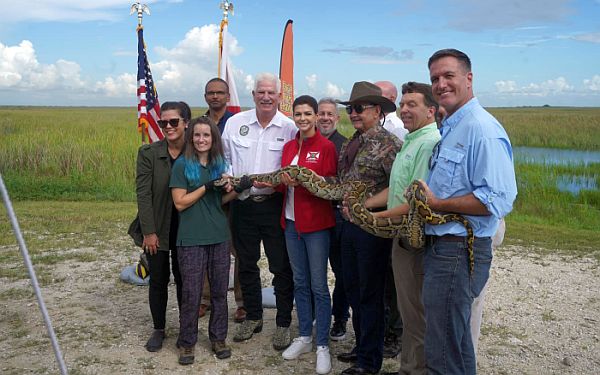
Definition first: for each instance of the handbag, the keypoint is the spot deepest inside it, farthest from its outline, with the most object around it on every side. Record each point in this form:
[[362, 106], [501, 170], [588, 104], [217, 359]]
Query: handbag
[[135, 231]]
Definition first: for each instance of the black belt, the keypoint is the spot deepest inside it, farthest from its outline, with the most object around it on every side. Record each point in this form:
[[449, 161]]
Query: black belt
[[431, 239], [259, 198]]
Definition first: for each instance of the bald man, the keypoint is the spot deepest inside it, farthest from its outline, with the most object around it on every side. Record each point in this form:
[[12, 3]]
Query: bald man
[[392, 122]]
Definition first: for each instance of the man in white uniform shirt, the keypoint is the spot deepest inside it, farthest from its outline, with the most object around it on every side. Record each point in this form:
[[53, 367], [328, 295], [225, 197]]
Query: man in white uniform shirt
[[392, 122], [253, 141]]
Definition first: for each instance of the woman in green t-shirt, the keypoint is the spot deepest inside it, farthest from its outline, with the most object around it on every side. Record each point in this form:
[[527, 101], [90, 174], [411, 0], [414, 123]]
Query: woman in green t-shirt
[[203, 236]]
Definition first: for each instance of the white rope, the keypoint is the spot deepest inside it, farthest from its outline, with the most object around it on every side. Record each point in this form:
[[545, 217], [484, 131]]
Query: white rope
[[32, 276]]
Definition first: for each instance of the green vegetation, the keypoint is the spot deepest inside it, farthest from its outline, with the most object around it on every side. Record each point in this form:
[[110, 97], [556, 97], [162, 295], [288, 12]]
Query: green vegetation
[[566, 128], [58, 162]]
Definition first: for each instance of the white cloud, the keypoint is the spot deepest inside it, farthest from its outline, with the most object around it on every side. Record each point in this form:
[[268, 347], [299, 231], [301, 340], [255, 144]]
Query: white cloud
[[587, 37], [546, 88], [20, 69], [592, 84], [124, 84], [311, 82], [249, 83], [185, 68], [334, 91], [179, 72], [477, 15], [506, 86], [63, 10]]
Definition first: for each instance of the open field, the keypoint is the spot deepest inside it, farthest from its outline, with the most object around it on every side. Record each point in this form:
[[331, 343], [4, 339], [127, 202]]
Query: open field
[[541, 316], [88, 154]]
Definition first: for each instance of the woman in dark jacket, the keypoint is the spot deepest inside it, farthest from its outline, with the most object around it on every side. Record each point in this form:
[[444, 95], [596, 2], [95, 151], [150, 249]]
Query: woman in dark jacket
[[158, 217]]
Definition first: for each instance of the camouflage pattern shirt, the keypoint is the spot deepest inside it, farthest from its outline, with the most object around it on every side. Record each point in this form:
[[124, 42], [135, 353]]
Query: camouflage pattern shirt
[[373, 162]]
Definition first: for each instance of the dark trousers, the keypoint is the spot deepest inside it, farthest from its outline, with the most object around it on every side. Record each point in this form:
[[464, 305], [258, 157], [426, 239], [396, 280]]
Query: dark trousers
[[365, 260], [393, 319], [158, 289], [252, 223], [195, 262], [340, 306]]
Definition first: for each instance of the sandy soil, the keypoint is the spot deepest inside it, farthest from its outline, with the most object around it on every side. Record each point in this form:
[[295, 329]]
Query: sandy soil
[[542, 316]]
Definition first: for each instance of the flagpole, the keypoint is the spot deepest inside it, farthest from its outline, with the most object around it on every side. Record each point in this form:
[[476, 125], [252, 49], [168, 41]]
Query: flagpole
[[226, 6], [140, 8]]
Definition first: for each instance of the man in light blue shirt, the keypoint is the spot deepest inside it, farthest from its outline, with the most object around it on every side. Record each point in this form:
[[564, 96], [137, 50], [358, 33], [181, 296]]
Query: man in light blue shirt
[[472, 173]]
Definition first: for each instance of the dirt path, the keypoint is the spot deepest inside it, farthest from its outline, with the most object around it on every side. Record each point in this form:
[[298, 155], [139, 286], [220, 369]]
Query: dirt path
[[542, 316]]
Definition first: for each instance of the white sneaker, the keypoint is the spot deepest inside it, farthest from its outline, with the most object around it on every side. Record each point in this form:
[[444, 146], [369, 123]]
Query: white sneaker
[[300, 345], [323, 360]]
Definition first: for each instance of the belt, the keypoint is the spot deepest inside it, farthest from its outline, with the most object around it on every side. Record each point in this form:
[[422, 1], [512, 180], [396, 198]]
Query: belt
[[431, 239], [258, 198]]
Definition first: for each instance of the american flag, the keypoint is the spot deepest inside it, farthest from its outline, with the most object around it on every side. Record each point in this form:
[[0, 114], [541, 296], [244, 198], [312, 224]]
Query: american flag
[[148, 105]]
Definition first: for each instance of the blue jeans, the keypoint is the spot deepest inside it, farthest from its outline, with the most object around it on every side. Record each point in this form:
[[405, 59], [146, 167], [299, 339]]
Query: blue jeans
[[448, 293], [308, 253]]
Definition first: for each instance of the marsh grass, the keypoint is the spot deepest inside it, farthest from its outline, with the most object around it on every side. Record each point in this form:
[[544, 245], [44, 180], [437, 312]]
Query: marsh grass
[[54, 155]]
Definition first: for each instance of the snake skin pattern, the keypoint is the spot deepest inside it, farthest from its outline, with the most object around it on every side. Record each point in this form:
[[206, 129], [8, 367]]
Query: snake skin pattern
[[410, 226]]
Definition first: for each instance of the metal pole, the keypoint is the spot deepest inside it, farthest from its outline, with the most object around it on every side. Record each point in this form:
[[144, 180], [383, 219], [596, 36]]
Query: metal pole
[[32, 276]]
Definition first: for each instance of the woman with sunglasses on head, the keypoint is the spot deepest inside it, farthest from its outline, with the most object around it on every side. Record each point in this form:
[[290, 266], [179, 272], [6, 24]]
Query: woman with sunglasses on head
[[203, 235], [158, 216], [306, 220]]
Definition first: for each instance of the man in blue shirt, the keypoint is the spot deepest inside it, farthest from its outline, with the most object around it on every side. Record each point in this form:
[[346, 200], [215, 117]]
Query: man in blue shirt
[[472, 173]]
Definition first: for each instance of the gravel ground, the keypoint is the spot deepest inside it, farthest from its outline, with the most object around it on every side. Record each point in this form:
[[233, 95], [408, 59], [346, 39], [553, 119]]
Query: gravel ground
[[542, 316]]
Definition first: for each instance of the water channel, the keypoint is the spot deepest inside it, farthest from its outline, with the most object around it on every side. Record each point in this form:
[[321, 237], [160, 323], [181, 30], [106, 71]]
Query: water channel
[[552, 156]]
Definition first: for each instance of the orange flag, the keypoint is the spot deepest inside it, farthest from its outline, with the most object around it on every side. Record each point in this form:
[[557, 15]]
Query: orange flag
[[286, 70]]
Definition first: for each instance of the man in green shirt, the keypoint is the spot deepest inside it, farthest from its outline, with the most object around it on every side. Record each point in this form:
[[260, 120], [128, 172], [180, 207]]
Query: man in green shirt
[[417, 111]]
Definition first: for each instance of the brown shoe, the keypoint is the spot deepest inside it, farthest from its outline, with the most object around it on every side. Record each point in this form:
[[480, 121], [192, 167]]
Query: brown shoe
[[239, 315], [202, 310], [186, 356], [221, 349]]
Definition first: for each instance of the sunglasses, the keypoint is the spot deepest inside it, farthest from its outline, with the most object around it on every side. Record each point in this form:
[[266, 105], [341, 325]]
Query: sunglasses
[[174, 122], [358, 108]]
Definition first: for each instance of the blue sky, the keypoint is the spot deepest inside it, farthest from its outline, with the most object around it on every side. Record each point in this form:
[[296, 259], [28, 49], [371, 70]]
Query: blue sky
[[73, 52]]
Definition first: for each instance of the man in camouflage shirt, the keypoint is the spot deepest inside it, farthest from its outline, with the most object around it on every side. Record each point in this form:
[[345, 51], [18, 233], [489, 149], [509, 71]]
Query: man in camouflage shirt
[[367, 156]]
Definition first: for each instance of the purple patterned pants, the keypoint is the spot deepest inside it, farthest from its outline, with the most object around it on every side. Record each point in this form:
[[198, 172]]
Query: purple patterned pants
[[194, 262]]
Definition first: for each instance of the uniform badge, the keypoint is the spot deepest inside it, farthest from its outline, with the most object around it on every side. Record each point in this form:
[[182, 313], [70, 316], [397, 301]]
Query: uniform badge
[[244, 129]]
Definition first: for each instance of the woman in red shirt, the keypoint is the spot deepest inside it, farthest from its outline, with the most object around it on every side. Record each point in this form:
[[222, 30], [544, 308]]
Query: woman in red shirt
[[306, 220]]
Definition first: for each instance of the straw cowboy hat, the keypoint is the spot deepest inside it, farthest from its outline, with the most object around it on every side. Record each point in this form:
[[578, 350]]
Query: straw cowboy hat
[[366, 92]]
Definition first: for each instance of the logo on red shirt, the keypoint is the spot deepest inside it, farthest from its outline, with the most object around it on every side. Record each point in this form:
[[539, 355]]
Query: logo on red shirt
[[312, 156]]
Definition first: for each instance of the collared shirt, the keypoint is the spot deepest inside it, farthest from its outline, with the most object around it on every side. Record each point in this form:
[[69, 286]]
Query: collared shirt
[[374, 158], [250, 149], [474, 156], [337, 139], [222, 120], [412, 162], [394, 125]]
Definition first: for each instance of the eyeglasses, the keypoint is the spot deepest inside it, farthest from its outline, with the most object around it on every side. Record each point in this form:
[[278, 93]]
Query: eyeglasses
[[217, 93], [174, 122], [358, 108]]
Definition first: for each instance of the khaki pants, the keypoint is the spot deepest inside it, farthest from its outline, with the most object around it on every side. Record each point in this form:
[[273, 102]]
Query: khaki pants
[[477, 306], [408, 277]]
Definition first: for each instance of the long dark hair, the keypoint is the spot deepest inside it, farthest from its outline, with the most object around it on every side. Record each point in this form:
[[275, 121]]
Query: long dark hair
[[217, 164], [184, 110]]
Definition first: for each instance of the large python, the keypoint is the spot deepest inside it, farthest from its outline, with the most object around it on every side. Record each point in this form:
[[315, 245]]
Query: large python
[[409, 227]]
